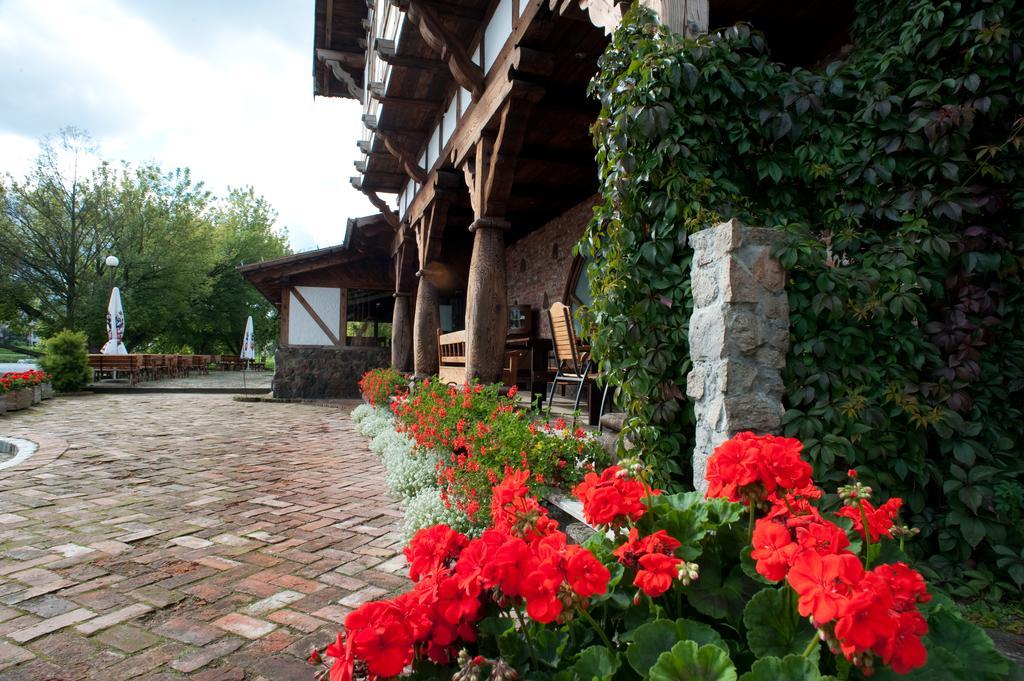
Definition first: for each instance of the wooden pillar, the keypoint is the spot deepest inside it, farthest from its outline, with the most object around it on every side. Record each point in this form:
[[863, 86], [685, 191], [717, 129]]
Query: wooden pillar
[[401, 334], [489, 176], [487, 301], [425, 325]]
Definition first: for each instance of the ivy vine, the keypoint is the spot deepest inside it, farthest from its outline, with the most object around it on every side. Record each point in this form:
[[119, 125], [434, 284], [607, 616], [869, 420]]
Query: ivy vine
[[895, 171]]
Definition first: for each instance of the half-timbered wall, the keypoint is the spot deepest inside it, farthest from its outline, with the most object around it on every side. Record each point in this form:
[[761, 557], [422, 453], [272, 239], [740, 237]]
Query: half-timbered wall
[[315, 315], [539, 264]]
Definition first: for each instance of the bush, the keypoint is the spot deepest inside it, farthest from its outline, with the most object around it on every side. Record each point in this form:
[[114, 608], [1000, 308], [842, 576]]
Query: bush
[[896, 173], [65, 356], [671, 588], [379, 385], [361, 412]]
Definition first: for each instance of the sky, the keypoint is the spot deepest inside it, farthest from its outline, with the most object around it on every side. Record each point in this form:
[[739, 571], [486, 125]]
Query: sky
[[224, 87]]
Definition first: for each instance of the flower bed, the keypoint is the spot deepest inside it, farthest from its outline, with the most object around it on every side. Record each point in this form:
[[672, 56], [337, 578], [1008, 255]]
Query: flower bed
[[22, 389], [379, 385], [746, 584]]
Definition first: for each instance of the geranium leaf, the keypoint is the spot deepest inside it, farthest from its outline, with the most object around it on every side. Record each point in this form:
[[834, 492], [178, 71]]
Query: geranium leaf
[[689, 662], [649, 642], [596, 663], [549, 645], [788, 668], [773, 625]]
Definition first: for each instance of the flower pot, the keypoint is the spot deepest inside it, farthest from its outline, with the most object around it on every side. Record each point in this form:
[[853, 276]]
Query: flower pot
[[3, 404], [47, 390], [37, 394], [18, 399]]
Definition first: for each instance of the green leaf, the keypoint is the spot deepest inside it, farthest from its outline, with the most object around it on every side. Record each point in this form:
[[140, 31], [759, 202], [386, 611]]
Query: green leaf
[[596, 663], [973, 530], [549, 644], [774, 627], [649, 642], [789, 668], [689, 662]]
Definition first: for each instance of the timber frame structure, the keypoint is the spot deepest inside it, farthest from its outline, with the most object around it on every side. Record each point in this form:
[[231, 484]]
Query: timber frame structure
[[477, 123]]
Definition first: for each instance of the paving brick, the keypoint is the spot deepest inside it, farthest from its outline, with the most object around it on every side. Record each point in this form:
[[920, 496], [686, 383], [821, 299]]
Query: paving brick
[[246, 626], [197, 659], [271, 603], [50, 625], [127, 638], [188, 631], [11, 655], [296, 620]]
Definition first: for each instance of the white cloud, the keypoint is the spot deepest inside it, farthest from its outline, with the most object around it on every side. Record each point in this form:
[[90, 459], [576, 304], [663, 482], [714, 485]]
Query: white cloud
[[237, 108]]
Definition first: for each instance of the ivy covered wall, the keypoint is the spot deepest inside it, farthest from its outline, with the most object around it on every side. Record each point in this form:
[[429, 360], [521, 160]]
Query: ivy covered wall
[[895, 172]]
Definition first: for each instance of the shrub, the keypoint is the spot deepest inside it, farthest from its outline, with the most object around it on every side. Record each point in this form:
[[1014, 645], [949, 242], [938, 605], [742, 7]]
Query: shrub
[[897, 174], [746, 585], [427, 509], [379, 385], [66, 358], [361, 411]]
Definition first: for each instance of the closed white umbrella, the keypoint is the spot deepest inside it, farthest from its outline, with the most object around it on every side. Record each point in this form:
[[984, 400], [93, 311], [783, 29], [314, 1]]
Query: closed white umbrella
[[248, 342], [115, 326]]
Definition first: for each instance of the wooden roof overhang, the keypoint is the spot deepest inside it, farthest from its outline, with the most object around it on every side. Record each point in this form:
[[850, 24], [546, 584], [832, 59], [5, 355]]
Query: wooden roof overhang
[[339, 48], [361, 261]]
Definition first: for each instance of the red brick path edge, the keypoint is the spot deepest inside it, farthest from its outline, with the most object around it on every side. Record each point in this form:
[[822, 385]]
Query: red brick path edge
[[187, 536]]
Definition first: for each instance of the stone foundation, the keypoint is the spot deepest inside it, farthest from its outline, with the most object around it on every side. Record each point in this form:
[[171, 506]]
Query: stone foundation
[[325, 373]]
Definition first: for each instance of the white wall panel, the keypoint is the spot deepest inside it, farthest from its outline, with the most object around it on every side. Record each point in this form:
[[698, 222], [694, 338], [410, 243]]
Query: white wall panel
[[302, 328], [497, 32]]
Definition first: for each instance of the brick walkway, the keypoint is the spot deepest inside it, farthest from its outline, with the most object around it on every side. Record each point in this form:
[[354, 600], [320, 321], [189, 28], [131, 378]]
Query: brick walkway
[[186, 536]]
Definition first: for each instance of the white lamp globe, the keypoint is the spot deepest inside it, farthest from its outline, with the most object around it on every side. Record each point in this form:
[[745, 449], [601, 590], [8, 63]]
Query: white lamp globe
[[112, 261]]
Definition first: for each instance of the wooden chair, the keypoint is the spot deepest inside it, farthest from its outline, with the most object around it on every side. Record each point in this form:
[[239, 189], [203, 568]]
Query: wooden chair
[[451, 357], [573, 357]]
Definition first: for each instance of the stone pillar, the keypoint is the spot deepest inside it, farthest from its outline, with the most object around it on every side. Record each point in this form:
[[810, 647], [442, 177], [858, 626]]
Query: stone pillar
[[424, 331], [401, 333], [486, 301], [739, 335]]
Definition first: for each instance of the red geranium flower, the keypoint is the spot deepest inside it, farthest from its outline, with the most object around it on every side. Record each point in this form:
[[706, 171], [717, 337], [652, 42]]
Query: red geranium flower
[[749, 465], [880, 520], [585, 573], [613, 497], [658, 542], [656, 573], [773, 549], [822, 537], [540, 589], [380, 635], [823, 583], [432, 548]]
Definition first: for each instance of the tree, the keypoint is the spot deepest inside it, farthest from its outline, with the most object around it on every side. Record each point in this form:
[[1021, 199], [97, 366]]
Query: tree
[[245, 234], [49, 231]]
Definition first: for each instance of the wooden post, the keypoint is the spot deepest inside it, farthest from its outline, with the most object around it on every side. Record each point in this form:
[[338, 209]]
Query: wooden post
[[401, 334], [343, 319], [286, 306], [425, 325], [487, 301]]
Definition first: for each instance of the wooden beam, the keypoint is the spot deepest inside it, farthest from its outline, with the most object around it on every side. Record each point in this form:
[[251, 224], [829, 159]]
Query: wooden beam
[[356, 59], [410, 102], [429, 231], [436, 35], [343, 319], [389, 215], [422, 63], [286, 304], [404, 158]]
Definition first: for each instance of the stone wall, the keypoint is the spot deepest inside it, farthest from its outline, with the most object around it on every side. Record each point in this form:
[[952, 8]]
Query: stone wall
[[325, 373], [739, 335], [538, 265]]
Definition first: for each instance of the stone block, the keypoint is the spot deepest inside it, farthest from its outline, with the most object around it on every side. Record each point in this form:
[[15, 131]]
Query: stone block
[[707, 335]]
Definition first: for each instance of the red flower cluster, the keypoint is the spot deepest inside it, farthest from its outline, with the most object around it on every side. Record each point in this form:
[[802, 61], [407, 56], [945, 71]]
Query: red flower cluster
[[17, 380], [751, 467], [478, 433], [862, 613], [377, 386], [880, 520], [653, 557], [522, 559], [613, 497]]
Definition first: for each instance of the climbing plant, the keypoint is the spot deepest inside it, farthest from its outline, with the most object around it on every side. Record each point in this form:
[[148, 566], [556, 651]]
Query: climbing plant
[[895, 171]]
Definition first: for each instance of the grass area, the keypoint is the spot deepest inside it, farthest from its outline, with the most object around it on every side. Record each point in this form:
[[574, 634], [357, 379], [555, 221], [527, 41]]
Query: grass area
[[11, 357], [1008, 617]]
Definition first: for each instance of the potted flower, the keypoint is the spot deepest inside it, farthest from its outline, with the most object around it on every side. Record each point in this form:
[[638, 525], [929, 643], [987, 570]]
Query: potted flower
[[18, 394]]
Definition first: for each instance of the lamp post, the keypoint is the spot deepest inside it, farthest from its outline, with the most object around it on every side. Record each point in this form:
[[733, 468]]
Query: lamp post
[[112, 262]]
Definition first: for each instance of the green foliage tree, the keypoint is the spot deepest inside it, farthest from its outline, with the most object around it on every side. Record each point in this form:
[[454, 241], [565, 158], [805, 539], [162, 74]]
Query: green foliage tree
[[896, 172], [245, 233], [66, 359], [178, 246]]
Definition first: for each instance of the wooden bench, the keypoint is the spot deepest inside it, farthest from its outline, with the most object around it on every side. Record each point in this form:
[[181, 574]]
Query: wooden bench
[[451, 357], [107, 365]]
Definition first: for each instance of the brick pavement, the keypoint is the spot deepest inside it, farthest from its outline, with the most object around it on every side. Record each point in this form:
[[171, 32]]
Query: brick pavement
[[187, 536]]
